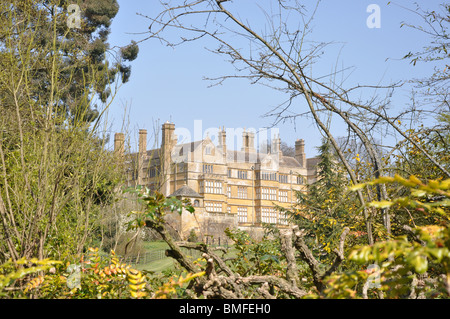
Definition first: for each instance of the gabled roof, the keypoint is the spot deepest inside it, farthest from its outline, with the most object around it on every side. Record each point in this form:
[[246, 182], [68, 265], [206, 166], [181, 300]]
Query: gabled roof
[[185, 191]]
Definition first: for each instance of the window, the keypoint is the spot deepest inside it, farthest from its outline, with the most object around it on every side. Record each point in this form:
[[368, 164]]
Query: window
[[300, 180], [282, 218], [208, 150], [242, 174], [266, 193], [282, 178], [213, 207], [152, 172], [181, 167], [283, 196], [229, 191], [229, 209], [242, 214], [268, 215], [268, 176], [211, 187], [242, 192], [229, 172], [208, 169], [134, 174], [196, 203]]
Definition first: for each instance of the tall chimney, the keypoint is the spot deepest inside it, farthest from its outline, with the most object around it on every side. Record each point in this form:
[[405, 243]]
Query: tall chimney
[[223, 142], [248, 141], [276, 144], [142, 141], [141, 153], [119, 144], [300, 155], [168, 133], [167, 143]]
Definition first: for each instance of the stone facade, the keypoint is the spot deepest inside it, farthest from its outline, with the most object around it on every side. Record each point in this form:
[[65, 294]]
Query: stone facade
[[228, 188]]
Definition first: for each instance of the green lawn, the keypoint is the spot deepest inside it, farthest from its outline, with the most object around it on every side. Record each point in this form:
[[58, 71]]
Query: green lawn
[[158, 265], [149, 245], [165, 263]]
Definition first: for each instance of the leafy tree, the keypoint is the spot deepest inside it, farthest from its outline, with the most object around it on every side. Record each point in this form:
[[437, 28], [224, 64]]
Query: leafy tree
[[80, 49], [326, 207], [435, 140], [411, 265], [56, 175]]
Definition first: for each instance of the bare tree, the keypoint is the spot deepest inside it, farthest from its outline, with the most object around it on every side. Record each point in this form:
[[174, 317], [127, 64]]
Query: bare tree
[[282, 58]]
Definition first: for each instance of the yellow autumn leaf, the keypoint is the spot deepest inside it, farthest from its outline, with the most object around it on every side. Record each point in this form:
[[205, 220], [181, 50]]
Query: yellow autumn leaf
[[381, 204], [356, 187], [415, 180]]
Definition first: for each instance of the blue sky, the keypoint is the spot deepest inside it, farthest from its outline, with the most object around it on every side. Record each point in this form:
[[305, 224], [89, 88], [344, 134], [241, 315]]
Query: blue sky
[[168, 84]]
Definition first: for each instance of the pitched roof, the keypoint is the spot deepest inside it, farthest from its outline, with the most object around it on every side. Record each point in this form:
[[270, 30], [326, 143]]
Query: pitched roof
[[185, 191], [289, 161]]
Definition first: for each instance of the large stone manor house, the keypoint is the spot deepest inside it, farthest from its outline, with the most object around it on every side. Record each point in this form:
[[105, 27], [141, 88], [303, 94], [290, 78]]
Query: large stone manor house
[[228, 188]]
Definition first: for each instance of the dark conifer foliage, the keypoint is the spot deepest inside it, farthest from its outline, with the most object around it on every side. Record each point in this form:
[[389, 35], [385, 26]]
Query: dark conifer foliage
[[90, 66]]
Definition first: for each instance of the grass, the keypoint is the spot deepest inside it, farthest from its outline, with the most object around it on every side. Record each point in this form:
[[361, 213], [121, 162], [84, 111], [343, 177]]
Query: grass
[[150, 245], [157, 265], [165, 263]]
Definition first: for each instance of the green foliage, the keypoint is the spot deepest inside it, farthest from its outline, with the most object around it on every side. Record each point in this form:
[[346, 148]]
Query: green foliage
[[261, 257], [73, 189], [94, 275], [400, 261], [156, 206], [325, 209], [175, 287], [432, 198], [79, 50], [422, 256], [192, 236], [56, 174], [10, 272], [435, 141], [91, 276]]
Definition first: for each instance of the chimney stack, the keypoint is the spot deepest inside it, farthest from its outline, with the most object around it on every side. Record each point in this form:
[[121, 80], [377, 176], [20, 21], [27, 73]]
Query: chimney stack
[[300, 155], [168, 134], [276, 144], [140, 157], [248, 141], [167, 143], [223, 142], [119, 144], [142, 141]]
